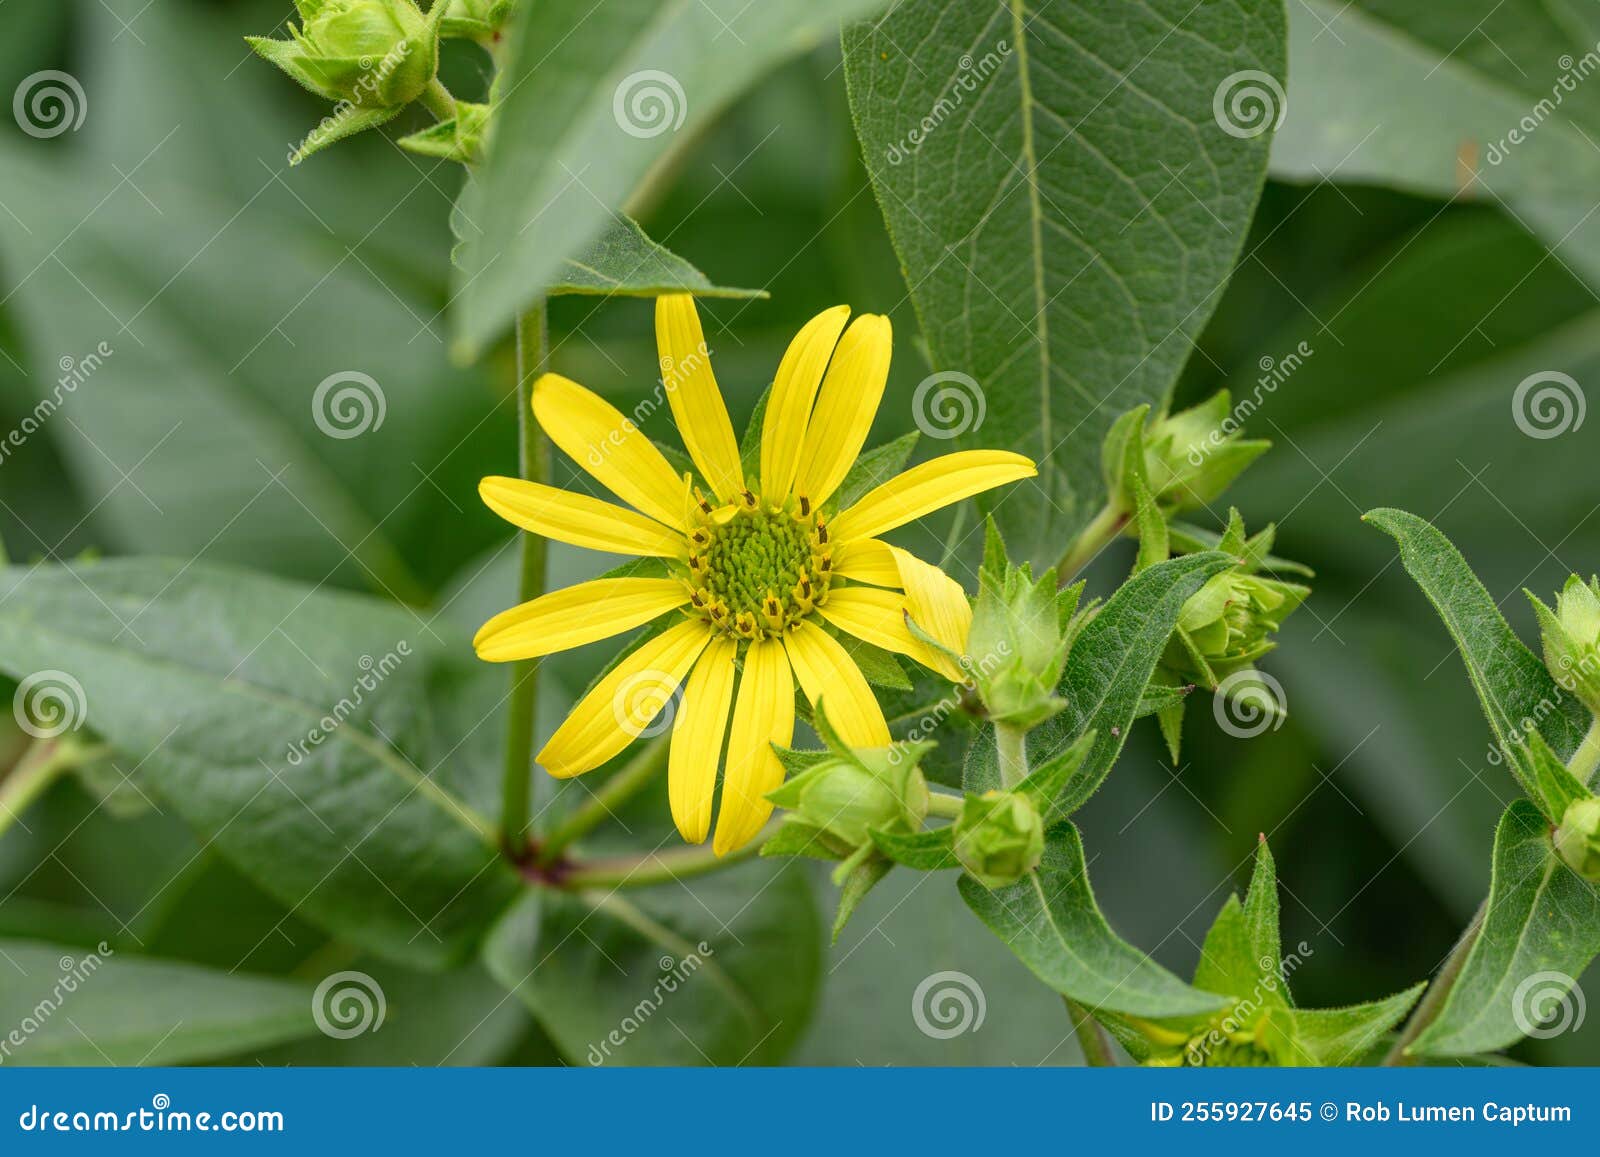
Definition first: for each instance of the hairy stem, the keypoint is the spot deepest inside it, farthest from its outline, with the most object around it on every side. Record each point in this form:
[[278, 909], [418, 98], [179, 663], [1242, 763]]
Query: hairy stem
[[1012, 742], [533, 465], [46, 761], [1438, 992], [1587, 758], [660, 867], [943, 805], [436, 99], [1091, 540], [623, 785], [1092, 1038]]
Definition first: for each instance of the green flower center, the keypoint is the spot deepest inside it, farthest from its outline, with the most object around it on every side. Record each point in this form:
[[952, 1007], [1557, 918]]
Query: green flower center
[[1213, 1050], [755, 571]]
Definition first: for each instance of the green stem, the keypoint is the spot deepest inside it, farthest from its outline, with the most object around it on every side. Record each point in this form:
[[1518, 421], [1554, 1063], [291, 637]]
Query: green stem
[[603, 804], [1102, 528], [40, 766], [1012, 742], [1092, 1038], [436, 99], [1587, 758], [944, 806], [534, 465], [660, 867], [1438, 992]]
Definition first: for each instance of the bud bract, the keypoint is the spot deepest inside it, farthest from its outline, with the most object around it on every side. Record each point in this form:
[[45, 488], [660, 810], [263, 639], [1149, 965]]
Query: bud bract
[[847, 796], [1571, 638], [1577, 840], [373, 54], [999, 837], [1017, 647]]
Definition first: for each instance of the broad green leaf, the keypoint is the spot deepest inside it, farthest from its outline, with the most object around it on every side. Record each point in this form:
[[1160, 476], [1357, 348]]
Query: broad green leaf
[[1517, 693], [722, 971], [1067, 206], [1052, 923], [1340, 1036], [295, 729], [1045, 782], [579, 130], [98, 1006], [1108, 668], [1541, 930], [1497, 106], [623, 261]]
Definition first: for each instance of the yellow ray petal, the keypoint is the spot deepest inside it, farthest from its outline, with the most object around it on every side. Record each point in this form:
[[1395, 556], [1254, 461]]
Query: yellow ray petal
[[867, 560], [763, 715], [827, 672], [599, 438], [697, 736], [783, 429], [579, 519], [923, 489], [937, 604], [692, 393], [622, 704], [576, 615], [879, 617], [845, 407]]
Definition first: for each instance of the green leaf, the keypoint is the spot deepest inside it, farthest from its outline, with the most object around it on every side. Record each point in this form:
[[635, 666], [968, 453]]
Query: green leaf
[[579, 131], [1340, 1036], [724, 973], [301, 732], [1517, 693], [1066, 208], [100, 1007], [1110, 664], [1045, 782], [1261, 915], [1228, 966], [1550, 783], [623, 262], [1541, 930], [927, 851], [1052, 923], [860, 880]]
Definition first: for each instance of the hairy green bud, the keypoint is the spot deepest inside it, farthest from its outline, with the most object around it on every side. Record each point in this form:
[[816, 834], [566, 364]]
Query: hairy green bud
[[1577, 840], [1571, 638], [479, 20], [999, 837], [372, 54], [847, 797]]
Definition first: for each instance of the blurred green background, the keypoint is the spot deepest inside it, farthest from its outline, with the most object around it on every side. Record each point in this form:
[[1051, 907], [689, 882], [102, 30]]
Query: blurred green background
[[239, 284]]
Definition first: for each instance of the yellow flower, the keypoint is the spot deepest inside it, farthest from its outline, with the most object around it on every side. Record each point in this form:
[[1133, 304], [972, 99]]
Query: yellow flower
[[753, 565]]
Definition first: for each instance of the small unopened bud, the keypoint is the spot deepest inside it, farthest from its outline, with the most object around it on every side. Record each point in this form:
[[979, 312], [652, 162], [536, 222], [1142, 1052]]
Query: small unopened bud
[[1578, 838], [999, 837], [375, 54], [849, 796], [1571, 638]]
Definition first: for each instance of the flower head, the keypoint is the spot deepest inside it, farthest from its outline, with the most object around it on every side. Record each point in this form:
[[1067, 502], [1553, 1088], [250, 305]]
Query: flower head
[[762, 566]]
